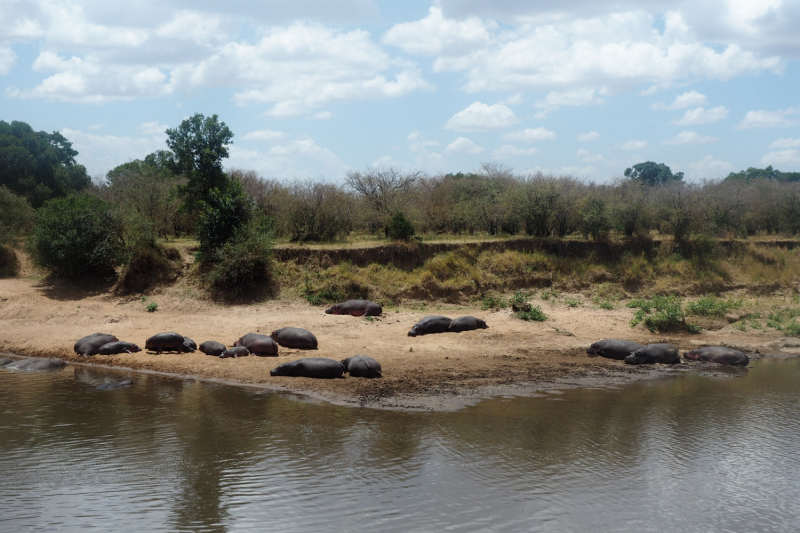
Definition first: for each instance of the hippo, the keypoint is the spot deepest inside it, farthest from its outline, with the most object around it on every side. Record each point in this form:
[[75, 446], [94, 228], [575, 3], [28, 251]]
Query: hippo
[[718, 354], [4, 362], [258, 344], [31, 365], [212, 348], [189, 345], [111, 338], [466, 323], [310, 367], [613, 349], [112, 348], [430, 324], [114, 385], [236, 351], [165, 342], [355, 308], [654, 353], [361, 366], [295, 338], [92, 345]]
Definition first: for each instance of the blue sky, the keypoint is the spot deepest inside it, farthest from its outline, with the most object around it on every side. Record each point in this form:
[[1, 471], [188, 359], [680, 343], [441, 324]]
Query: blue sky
[[314, 88]]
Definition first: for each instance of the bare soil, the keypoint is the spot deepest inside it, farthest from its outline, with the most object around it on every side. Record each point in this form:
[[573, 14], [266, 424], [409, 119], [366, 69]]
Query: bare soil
[[432, 372]]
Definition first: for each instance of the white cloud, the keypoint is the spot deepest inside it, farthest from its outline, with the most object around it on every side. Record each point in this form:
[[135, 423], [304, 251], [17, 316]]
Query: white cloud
[[588, 136], [530, 135], [785, 143], [323, 115], [634, 145], [482, 117], [782, 157], [575, 97], [509, 150], [682, 101], [296, 159], [462, 145], [197, 27], [689, 137], [701, 115], [7, 60], [768, 119], [153, 128], [101, 153], [515, 99], [587, 156], [264, 135], [436, 35], [709, 168]]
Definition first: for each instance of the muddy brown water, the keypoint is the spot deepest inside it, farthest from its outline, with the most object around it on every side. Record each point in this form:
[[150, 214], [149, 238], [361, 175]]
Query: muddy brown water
[[709, 451]]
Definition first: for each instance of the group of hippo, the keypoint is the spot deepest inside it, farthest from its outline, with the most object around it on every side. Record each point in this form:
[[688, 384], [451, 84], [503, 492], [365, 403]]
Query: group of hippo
[[634, 353], [288, 337]]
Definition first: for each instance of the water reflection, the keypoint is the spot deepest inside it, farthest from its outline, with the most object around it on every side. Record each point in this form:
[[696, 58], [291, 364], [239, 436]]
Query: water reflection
[[706, 452]]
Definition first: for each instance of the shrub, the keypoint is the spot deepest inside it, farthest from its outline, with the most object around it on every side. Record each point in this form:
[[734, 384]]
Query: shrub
[[662, 314], [9, 265], [16, 215], [224, 212], [77, 235], [244, 260], [493, 302], [147, 266], [711, 306], [152, 307], [534, 313], [400, 228]]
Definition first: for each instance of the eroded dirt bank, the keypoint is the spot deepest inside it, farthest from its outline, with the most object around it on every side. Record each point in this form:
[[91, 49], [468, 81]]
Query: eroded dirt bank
[[443, 371]]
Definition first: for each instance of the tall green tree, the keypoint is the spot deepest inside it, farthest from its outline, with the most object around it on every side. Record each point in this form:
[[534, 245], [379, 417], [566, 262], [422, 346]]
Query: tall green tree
[[38, 165], [199, 145], [650, 173], [753, 173]]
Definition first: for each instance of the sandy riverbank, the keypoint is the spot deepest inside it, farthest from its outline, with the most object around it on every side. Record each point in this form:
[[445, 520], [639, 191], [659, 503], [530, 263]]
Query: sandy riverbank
[[443, 371]]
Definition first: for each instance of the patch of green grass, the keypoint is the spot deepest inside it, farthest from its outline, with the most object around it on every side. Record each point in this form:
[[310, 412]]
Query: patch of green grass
[[712, 306], [535, 313], [662, 314], [605, 305], [572, 302], [785, 321], [152, 307], [519, 298], [493, 302]]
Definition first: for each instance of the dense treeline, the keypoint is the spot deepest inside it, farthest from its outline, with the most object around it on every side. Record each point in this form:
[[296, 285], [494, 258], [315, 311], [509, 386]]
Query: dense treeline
[[184, 191]]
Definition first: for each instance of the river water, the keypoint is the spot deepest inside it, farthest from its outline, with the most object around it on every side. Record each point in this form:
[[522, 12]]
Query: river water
[[696, 453]]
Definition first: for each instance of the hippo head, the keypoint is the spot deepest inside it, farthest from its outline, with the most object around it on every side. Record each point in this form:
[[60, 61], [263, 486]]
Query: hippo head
[[149, 344], [632, 359], [134, 348], [281, 370], [691, 355], [482, 324], [592, 350], [333, 310], [274, 336], [413, 332]]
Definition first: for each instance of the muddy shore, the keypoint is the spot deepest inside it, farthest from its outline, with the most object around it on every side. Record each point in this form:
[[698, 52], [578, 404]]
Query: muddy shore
[[432, 372]]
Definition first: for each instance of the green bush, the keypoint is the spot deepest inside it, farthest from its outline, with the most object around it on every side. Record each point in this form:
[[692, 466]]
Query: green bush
[[400, 228], [152, 307], [493, 302], [662, 314], [711, 306], [535, 313], [244, 260], [224, 213], [785, 321], [77, 235], [16, 215]]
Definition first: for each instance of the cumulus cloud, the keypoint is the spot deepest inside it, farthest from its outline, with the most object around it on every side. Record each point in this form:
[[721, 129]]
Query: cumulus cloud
[[462, 145], [436, 35], [530, 135], [264, 135], [682, 101], [768, 119], [588, 136], [7, 59], [575, 97], [295, 159], [701, 115], [709, 167], [153, 128], [634, 145], [482, 117], [587, 156], [782, 157], [509, 150], [689, 137], [785, 143]]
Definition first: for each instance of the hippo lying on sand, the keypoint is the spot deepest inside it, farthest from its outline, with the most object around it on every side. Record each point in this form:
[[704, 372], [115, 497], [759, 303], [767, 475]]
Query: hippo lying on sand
[[310, 367], [613, 349], [32, 365], [165, 342], [361, 366], [91, 344], [466, 323], [236, 351], [115, 385], [258, 344], [295, 338], [666, 354], [4, 362], [430, 324], [212, 348], [718, 354], [189, 345], [118, 347], [356, 308]]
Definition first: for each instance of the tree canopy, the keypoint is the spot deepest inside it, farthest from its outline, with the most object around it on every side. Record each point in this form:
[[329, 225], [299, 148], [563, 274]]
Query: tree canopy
[[650, 173], [753, 173], [199, 145], [38, 165]]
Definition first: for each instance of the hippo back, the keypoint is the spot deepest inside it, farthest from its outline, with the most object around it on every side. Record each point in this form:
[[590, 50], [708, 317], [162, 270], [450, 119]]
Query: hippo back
[[467, 323], [430, 324], [361, 366]]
